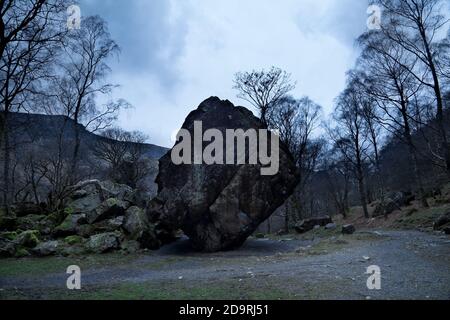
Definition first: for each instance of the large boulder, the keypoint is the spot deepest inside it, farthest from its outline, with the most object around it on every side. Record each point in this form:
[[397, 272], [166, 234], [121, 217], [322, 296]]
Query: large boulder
[[70, 225], [348, 229], [45, 249], [442, 222], [109, 225], [28, 239], [138, 228], [110, 208], [7, 248], [218, 206], [103, 242], [29, 222]]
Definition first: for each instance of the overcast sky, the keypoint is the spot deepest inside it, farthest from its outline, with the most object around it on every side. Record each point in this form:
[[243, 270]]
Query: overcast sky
[[177, 53]]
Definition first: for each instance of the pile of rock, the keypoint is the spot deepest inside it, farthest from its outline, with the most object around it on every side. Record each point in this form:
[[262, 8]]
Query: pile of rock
[[322, 222], [309, 224], [393, 201], [99, 217]]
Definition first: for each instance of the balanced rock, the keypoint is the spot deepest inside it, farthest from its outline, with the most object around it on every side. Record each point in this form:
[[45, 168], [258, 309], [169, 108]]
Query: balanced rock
[[219, 205]]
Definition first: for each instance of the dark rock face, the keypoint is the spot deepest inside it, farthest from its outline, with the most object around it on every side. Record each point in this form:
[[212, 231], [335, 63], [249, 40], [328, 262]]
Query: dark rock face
[[348, 229], [309, 224], [443, 222], [219, 206]]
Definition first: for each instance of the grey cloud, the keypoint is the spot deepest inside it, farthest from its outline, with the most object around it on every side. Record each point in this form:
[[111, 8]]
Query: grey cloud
[[141, 28]]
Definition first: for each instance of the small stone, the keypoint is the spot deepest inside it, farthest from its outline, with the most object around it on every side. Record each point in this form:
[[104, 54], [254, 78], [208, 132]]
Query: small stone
[[331, 226], [348, 229], [45, 249]]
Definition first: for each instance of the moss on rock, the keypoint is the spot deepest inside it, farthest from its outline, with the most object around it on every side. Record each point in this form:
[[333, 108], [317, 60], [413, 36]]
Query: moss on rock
[[28, 239], [73, 240], [9, 235]]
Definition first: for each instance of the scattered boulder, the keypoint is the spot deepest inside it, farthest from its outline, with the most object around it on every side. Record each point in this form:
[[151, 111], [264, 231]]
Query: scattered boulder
[[9, 235], [219, 206], [70, 225], [45, 249], [103, 242], [393, 201], [94, 216], [21, 253], [130, 246], [7, 248], [442, 222], [309, 224], [86, 230], [73, 240], [110, 208], [109, 225], [89, 195], [447, 230], [137, 227], [331, 226], [348, 229], [30, 222], [28, 239]]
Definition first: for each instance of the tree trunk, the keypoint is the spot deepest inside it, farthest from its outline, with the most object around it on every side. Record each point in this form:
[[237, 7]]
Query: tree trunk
[[286, 218], [6, 162], [362, 194], [75, 157], [439, 101], [413, 155]]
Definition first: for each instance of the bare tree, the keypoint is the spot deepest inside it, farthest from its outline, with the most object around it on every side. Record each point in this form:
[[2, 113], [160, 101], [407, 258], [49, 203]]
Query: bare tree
[[389, 81], [81, 81], [415, 25], [374, 129], [296, 121], [124, 153], [263, 89], [350, 137], [338, 174], [30, 33]]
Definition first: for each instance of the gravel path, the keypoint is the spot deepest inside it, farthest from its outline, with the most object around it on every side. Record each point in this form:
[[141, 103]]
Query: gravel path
[[414, 265]]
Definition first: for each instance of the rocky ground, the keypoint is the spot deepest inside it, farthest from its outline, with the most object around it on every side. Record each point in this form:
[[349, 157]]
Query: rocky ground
[[321, 264]]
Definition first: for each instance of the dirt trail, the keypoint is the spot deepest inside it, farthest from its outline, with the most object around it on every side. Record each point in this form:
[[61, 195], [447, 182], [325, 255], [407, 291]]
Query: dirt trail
[[414, 265]]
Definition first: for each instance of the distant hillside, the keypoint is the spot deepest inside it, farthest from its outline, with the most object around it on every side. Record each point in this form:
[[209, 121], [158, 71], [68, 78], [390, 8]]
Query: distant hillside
[[27, 128]]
